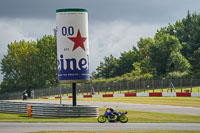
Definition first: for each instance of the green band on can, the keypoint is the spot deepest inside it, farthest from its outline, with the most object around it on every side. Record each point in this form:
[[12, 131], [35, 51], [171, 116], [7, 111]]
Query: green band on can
[[71, 10]]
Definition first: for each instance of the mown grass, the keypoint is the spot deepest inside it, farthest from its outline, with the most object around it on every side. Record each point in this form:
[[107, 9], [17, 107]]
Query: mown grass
[[175, 101], [4, 117], [134, 117], [136, 131]]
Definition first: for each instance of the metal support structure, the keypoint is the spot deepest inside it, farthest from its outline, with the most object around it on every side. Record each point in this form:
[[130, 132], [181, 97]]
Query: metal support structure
[[60, 95], [128, 86], [74, 94], [153, 85], [181, 85], [191, 85], [120, 88]]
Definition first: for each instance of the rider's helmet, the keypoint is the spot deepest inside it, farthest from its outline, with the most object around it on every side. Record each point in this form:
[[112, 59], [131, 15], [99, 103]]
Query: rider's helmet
[[111, 109]]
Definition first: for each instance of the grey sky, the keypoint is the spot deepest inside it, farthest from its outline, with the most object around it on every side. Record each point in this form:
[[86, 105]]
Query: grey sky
[[114, 25], [136, 11]]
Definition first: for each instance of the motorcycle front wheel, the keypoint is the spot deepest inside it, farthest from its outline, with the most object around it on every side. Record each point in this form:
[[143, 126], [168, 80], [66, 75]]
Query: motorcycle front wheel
[[101, 119], [123, 119]]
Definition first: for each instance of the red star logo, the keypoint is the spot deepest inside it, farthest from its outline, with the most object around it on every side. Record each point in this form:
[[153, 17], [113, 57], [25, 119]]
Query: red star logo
[[78, 41]]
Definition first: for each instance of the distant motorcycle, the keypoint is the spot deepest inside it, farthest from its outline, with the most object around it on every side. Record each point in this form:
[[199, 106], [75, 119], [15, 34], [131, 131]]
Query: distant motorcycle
[[113, 116], [24, 96]]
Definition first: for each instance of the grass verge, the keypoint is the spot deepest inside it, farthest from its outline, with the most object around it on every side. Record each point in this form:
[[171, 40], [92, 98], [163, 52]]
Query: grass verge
[[175, 101]]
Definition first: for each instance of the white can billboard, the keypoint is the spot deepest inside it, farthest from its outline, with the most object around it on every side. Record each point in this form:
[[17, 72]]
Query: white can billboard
[[72, 45]]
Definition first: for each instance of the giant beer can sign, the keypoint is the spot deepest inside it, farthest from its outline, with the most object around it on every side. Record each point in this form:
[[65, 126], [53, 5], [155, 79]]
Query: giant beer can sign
[[72, 45]]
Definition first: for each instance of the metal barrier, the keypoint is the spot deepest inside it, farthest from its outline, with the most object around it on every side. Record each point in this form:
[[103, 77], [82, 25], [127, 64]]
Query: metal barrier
[[13, 107], [48, 110]]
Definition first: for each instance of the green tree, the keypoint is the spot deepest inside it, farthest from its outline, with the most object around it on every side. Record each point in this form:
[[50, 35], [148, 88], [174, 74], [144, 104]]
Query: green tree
[[165, 55], [187, 31], [145, 64], [17, 66], [105, 69], [46, 62], [177, 62], [29, 64], [125, 62], [195, 61]]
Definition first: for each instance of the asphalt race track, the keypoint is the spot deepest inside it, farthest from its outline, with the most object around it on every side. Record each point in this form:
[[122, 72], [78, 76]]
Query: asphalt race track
[[34, 127]]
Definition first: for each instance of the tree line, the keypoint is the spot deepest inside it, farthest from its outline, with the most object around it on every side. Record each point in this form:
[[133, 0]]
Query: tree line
[[174, 52], [29, 65]]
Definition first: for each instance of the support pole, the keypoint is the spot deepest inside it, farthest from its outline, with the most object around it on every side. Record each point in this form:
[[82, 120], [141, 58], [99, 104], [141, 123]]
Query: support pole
[[60, 95], [74, 94]]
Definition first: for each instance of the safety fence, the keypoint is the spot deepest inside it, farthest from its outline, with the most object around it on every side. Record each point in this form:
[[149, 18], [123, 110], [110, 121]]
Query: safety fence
[[9, 96], [138, 86], [48, 110], [115, 87]]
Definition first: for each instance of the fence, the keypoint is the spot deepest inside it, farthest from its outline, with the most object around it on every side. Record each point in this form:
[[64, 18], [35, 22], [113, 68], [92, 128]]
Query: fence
[[163, 85], [49, 110]]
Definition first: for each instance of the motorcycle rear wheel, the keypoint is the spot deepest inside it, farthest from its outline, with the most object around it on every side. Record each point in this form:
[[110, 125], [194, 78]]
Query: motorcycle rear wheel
[[123, 119], [101, 119]]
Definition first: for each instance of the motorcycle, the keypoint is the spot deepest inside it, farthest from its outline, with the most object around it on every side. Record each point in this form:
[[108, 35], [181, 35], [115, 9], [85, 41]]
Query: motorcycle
[[113, 116], [24, 96]]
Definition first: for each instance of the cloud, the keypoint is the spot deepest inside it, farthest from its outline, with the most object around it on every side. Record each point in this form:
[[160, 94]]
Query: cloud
[[137, 11], [26, 29], [115, 37], [22, 29]]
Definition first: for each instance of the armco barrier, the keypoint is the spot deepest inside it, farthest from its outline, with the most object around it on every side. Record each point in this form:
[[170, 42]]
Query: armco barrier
[[107, 95], [151, 94], [130, 94], [48, 110], [195, 94], [155, 94], [13, 107], [87, 96], [169, 94], [185, 94]]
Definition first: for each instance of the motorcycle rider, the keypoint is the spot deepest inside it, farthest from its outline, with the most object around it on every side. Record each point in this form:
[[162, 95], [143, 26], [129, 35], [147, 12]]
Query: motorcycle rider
[[24, 95], [113, 111], [113, 116]]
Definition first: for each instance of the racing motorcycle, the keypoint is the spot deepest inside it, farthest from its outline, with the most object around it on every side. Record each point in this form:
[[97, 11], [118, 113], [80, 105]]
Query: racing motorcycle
[[24, 96], [113, 116]]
